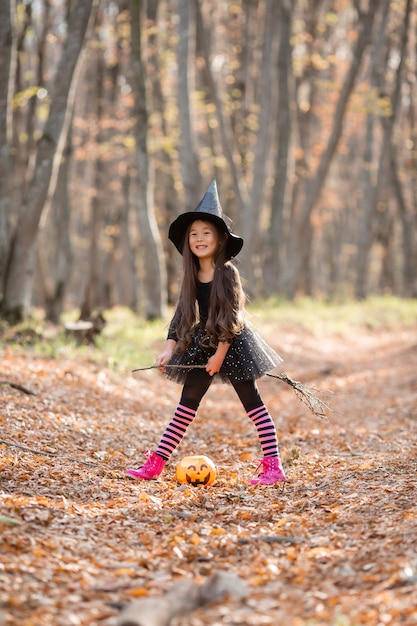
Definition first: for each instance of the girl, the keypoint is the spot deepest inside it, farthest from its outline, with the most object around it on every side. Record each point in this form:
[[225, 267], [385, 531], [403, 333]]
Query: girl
[[209, 339]]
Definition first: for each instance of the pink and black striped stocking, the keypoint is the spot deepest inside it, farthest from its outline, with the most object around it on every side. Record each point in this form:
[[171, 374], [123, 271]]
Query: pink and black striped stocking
[[266, 430], [175, 431]]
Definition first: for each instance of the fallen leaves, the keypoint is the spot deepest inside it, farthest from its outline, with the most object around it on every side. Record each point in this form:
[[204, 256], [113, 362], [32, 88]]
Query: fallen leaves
[[333, 546]]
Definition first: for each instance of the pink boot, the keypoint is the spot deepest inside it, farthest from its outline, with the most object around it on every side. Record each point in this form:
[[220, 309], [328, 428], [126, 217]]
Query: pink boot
[[272, 471], [150, 469]]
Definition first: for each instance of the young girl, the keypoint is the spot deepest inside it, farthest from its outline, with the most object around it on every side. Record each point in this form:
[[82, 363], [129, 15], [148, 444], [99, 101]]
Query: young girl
[[209, 330]]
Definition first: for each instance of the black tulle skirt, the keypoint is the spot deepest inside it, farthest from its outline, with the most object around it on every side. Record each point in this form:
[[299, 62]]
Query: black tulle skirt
[[248, 358]]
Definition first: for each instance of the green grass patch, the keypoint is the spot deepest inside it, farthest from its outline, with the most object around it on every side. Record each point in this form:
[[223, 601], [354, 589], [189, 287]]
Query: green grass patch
[[322, 317], [128, 341]]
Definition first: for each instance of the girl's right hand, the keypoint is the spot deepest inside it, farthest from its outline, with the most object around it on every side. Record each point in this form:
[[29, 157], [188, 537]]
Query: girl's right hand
[[166, 355], [163, 359]]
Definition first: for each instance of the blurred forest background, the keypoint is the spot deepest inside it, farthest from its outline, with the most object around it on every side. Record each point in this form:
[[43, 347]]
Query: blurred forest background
[[116, 114]]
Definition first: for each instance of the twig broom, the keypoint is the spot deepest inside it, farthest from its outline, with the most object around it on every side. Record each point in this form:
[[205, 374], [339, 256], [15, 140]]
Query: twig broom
[[303, 393]]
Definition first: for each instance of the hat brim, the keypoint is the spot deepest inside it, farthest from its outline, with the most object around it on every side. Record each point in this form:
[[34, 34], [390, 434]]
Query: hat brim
[[178, 229]]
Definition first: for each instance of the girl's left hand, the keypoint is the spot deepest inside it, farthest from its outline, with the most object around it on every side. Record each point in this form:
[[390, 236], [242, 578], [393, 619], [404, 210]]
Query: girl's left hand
[[214, 364]]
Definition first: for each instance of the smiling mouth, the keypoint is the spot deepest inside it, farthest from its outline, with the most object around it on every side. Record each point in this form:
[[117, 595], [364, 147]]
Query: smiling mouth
[[197, 482]]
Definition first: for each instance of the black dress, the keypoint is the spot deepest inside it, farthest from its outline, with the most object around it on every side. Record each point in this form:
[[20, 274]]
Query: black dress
[[248, 358]]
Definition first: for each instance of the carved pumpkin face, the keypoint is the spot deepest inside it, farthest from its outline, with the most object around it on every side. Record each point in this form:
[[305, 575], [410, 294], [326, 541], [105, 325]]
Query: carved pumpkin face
[[196, 471]]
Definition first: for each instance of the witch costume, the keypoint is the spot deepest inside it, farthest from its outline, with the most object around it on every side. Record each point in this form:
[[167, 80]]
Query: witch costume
[[249, 357]]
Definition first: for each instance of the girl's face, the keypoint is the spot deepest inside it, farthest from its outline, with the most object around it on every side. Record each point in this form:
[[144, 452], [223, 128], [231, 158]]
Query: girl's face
[[203, 239]]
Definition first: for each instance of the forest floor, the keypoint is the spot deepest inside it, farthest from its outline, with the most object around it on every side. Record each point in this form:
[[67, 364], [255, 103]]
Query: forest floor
[[335, 545]]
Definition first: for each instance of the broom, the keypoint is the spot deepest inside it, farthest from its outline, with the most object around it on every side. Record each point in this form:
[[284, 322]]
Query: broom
[[303, 393]]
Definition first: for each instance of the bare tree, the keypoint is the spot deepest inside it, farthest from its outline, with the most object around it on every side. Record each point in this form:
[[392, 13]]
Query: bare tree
[[55, 255], [7, 59], [299, 245], [154, 274], [166, 167], [189, 160], [49, 151], [253, 208], [275, 234], [369, 193], [94, 286], [373, 188], [226, 136], [273, 98]]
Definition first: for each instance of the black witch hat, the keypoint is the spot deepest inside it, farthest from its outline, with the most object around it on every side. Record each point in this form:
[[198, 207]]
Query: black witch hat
[[210, 210]]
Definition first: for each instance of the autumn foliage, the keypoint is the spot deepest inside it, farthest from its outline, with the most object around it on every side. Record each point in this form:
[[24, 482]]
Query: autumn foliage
[[333, 546]]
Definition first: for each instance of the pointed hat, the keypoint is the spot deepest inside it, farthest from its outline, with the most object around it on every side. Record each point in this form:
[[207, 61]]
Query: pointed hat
[[209, 209]]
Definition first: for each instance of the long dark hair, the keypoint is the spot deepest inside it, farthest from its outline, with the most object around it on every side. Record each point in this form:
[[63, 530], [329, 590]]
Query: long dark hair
[[227, 299]]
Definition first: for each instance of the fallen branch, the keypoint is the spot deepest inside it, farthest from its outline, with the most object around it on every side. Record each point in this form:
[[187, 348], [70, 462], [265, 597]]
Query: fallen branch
[[19, 387], [303, 393], [44, 453], [183, 597]]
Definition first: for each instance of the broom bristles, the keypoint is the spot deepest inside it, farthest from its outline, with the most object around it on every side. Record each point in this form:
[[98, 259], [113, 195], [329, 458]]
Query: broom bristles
[[305, 394]]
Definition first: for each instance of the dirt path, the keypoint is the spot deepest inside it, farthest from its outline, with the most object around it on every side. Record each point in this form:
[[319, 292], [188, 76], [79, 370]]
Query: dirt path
[[335, 546]]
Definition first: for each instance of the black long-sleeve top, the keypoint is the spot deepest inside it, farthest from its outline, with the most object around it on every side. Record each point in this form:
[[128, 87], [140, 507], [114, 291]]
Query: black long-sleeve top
[[203, 299]]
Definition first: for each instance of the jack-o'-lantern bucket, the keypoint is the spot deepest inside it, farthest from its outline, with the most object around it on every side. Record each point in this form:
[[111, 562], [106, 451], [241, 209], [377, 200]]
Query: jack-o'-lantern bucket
[[196, 470]]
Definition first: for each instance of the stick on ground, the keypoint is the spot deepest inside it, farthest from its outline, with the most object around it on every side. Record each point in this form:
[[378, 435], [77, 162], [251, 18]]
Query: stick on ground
[[19, 387]]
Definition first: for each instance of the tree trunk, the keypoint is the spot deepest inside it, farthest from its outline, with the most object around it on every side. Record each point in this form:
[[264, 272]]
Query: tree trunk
[[190, 172], [300, 235], [385, 238], [55, 259], [49, 152], [166, 195], [122, 275], [21, 163], [94, 288], [409, 216], [305, 101], [253, 209], [372, 190], [93, 284], [225, 135], [369, 190], [408, 230], [273, 255], [154, 278], [7, 61]]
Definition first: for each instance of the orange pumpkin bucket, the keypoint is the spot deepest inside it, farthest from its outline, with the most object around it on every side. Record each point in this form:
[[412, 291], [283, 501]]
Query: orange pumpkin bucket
[[196, 470]]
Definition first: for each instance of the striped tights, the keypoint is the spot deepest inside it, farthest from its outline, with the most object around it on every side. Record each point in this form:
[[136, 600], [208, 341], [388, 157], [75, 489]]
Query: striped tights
[[184, 415]]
